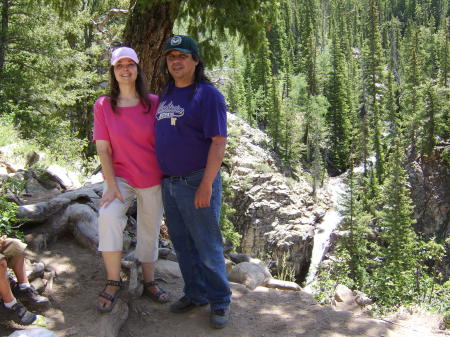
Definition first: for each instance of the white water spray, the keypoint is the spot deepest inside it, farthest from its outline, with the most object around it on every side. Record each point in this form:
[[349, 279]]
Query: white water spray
[[323, 231]]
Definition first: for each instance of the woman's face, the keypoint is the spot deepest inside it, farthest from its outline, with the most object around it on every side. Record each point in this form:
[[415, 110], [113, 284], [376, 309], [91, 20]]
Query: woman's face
[[125, 71]]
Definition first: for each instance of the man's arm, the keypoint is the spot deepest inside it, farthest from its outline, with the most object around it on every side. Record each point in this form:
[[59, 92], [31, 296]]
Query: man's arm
[[213, 163], [104, 152]]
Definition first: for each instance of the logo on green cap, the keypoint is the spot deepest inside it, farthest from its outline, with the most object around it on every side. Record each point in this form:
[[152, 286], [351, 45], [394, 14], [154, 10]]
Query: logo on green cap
[[175, 40]]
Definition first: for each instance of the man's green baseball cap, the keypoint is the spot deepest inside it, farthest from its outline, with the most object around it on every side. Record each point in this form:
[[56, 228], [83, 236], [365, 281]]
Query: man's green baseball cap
[[182, 43]]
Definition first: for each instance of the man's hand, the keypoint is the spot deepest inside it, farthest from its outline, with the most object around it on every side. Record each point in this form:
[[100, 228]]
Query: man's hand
[[203, 195], [111, 194], [215, 157]]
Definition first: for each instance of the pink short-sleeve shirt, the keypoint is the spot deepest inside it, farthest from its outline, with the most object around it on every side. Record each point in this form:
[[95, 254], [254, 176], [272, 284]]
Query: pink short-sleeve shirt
[[131, 134]]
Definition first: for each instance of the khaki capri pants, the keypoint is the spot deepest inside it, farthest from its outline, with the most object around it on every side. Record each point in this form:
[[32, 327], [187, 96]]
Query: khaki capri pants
[[112, 221], [11, 250]]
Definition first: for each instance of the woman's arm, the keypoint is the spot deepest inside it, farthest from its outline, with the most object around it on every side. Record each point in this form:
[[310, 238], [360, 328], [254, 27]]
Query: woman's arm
[[104, 152]]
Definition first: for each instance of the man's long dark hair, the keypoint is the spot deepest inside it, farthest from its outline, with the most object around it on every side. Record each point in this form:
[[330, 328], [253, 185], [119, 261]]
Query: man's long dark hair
[[141, 88], [199, 75]]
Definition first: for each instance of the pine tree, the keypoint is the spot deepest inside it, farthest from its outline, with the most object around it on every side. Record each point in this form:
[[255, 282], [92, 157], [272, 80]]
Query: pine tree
[[356, 223], [443, 42], [4, 33], [412, 104], [289, 17], [261, 80], [432, 113], [290, 132], [316, 108], [275, 115], [276, 35], [393, 115], [396, 277], [339, 114], [308, 43], [373, 84], [235, 90], [249, 96]]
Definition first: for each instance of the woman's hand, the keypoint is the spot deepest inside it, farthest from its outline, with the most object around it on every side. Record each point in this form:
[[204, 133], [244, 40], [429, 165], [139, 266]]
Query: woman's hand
[[109, 196]]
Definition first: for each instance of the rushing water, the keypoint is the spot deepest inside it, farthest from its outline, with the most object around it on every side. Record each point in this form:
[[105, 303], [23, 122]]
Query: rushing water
[[323, 230]]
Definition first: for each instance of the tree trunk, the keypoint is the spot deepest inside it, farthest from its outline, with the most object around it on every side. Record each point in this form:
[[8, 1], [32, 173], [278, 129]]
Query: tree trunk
[[148, 26], [4, 33]]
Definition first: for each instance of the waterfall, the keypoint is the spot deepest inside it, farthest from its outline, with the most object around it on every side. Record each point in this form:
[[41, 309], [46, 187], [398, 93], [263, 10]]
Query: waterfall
[[322, 232]]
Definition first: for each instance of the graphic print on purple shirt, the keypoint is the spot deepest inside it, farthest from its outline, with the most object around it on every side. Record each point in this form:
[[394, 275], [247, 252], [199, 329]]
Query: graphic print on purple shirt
[[185, 123]]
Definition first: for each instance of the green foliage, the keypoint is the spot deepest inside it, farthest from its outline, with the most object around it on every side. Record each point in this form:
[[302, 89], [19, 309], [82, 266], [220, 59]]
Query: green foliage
[[229, 230], [333, 83], [57, 145], [8, 134], [338, 116], [8, 219], [379, 253], [315, 134], [235, 90], [355, 245], [53, 134], [249, 19], [285, 269], [330, 276], [12, 185], [396, 275], [53, 72], [9, 223]]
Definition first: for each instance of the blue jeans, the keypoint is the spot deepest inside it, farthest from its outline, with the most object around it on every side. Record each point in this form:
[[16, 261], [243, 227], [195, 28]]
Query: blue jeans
[[196, 236]]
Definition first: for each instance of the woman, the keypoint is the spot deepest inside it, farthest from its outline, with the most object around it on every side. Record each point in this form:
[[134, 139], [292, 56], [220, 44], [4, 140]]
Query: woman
[[124, 137]]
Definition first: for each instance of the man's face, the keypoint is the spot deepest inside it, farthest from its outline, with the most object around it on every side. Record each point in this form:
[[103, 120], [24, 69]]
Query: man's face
[[181, 66]]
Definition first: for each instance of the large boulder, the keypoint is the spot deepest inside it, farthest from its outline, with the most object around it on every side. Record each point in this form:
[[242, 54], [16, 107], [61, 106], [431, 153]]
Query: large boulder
[[251, 274], [348, 300]]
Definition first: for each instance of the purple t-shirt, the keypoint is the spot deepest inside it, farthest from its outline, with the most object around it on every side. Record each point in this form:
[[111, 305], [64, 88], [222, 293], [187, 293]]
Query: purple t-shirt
[[185, 123]]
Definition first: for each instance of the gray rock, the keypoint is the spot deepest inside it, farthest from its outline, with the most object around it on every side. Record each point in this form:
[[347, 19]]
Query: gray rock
[[284, 285], [167, 269], [238, 258], [32, 158], [249, 274], [274, 215], [163, 252], [33, 332], [66, 178]]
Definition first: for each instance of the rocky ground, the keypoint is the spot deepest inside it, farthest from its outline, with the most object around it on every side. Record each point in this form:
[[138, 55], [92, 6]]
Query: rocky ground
[[260, 313]]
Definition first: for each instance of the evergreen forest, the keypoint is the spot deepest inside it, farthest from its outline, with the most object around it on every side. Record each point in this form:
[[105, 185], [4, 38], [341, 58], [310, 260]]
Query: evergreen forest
[[358, 88]]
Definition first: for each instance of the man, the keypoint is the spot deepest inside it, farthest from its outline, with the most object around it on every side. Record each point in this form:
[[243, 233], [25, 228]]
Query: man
[[191, 136], [12, 256]]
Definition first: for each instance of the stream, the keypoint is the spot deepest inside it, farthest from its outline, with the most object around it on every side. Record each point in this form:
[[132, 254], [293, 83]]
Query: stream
[[322, 233]]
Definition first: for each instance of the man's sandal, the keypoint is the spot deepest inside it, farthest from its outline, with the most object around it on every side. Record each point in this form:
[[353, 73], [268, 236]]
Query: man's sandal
[[160, 296], [109, 297]]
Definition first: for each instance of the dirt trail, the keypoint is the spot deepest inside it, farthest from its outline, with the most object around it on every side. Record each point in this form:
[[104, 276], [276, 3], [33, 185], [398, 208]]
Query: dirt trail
[[260, 313]]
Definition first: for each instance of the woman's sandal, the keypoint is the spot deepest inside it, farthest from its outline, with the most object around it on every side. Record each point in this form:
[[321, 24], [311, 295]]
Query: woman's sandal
[[161, 296], [109, 297]]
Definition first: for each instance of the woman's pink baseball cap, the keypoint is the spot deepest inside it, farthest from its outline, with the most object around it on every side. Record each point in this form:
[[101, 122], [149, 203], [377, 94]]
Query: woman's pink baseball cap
[[123, 52]]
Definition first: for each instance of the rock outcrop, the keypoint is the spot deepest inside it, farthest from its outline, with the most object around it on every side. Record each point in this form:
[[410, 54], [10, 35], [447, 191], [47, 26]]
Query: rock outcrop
[[430, 192], [276, 215]]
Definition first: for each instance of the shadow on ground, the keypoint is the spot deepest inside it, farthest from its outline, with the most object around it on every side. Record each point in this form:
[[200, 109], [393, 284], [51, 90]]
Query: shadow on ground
[[260, 313]]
